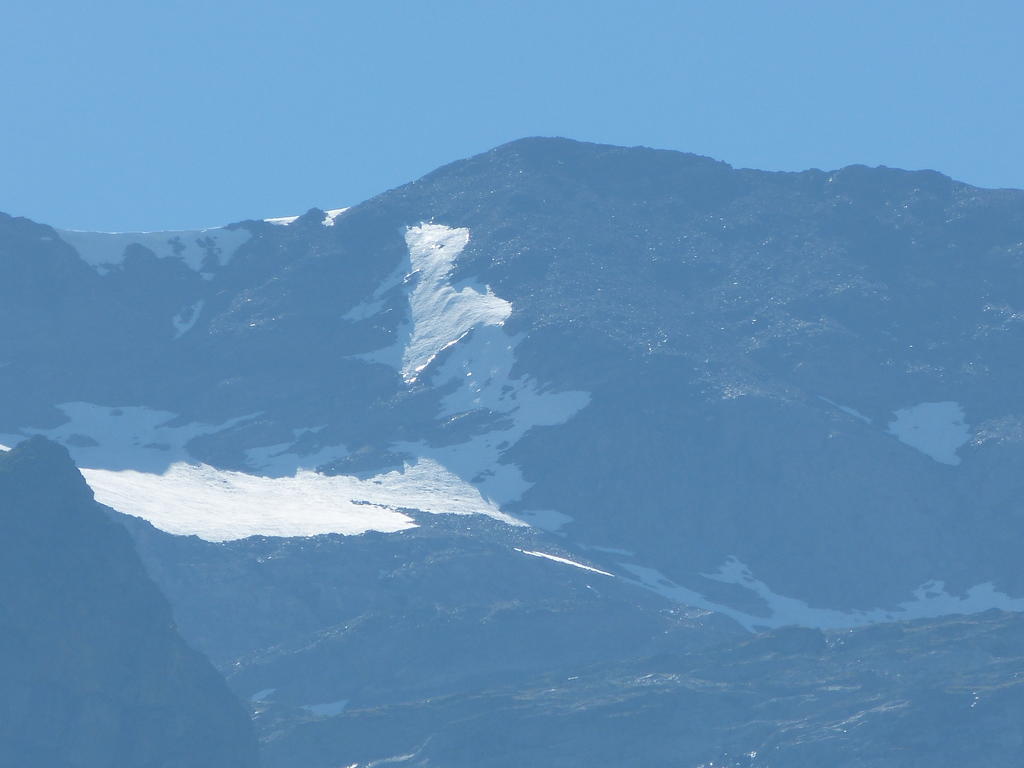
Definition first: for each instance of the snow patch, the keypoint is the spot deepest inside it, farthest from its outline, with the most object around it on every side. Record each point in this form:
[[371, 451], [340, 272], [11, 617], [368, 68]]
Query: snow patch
[[563, 560], [186, 319], [935, 429], [930, 600], [481, 366], [330, 709], [219, 505], [281, 221], [331, 215], [137, 462], [442, 315], [223, 505], [198, 249]]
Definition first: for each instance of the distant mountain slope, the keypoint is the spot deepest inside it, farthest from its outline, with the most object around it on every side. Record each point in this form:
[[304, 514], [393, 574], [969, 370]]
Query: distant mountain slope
[[791, 397], [92, 671], [588, 404]]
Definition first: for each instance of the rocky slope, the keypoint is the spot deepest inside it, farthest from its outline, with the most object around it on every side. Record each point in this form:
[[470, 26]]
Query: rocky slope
[[585, 404]]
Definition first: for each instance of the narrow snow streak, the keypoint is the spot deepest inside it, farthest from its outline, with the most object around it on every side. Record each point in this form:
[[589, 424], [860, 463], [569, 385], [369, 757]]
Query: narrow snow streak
[[563, 561], [281, 221]]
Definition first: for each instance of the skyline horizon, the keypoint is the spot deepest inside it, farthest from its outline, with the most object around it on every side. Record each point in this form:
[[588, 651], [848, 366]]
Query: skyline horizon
[[294, 214]]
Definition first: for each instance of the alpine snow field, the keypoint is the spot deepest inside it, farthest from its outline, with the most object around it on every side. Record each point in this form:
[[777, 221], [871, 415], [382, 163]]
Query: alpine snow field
[[562, 455]]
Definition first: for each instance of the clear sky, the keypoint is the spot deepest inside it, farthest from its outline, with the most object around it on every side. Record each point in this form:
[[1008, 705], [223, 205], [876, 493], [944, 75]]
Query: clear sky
[[130, 114]]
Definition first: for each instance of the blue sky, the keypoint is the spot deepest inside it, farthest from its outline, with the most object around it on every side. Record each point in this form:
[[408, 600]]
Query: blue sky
[[143, 115]]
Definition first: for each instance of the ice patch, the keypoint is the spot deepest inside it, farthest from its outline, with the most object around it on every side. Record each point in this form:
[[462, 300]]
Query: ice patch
[[198, 249], [930, 600], [563, 561], [441, 315], [330, 709], [186, 319], [935, 429]]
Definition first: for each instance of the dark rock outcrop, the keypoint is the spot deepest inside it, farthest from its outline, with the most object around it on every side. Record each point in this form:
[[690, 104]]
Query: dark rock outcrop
[[93, 673]]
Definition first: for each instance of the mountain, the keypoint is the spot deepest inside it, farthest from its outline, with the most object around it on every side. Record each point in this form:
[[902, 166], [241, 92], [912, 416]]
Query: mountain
[[586, 405], [93, 672]]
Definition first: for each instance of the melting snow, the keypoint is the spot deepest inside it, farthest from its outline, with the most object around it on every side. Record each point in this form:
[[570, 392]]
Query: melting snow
[[199, 249], [563, 560], [482, 368], [935, 429]]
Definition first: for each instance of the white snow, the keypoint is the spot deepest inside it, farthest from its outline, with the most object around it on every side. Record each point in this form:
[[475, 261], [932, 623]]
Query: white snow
[[441, 315], [4, 447], [935, 429], [930, 600], [222, 505], [563, 560], [186, 319], [137, 461], [481, 366], [262, 695], [328, 220], [281, 221], [219, 505], [330, 709], [331, 215], [105, 250]]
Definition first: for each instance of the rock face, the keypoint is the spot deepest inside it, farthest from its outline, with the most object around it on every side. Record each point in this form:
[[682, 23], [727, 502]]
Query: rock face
[[92, 671]]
